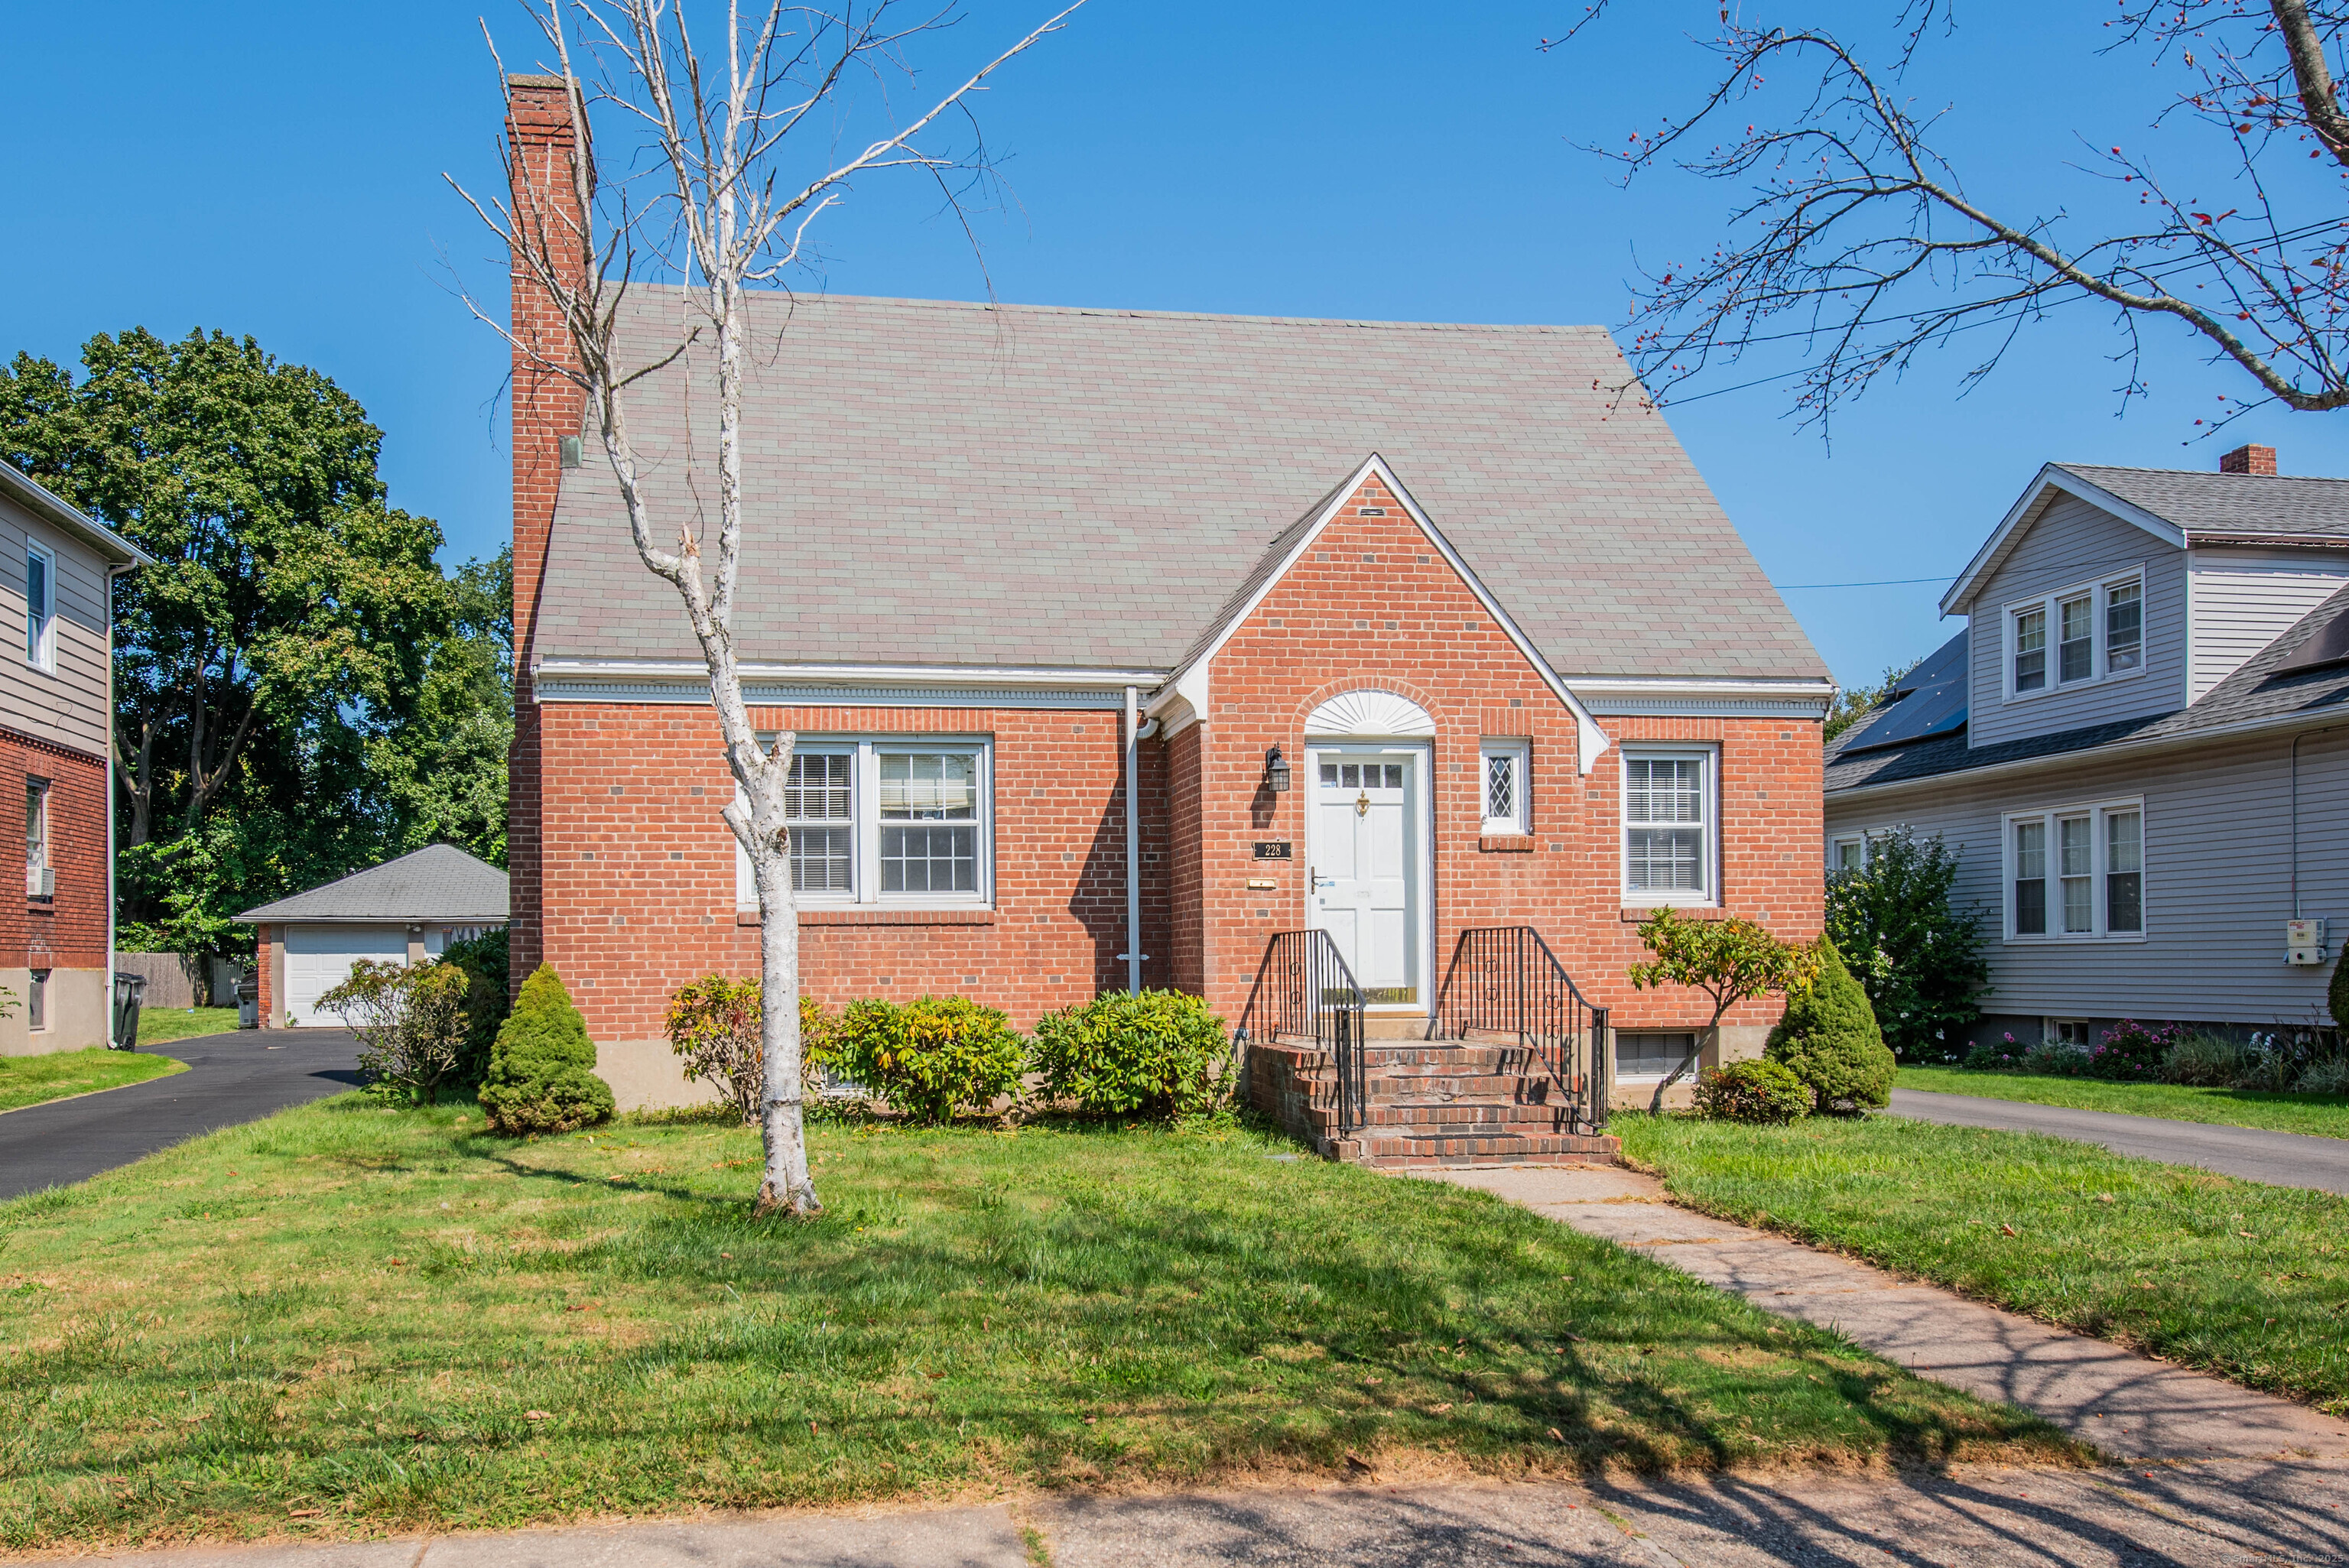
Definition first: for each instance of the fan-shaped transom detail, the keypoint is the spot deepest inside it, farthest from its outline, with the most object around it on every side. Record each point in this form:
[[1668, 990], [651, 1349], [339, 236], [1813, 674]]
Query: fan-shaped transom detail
[[1383, 714]]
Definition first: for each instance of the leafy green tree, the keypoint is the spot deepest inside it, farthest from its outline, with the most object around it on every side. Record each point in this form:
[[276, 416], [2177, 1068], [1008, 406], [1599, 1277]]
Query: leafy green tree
[[1829, 1040], [294, 640], [1728, 960], [1915, 952]]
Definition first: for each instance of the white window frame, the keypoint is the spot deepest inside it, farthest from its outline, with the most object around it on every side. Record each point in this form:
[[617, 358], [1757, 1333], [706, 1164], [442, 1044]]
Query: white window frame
[[2096, 812], [864, 814], [2097, 592], [1514, 754], [41, 620], [1834, 850], [38, 823], [1615, 1044], [1682, 898]]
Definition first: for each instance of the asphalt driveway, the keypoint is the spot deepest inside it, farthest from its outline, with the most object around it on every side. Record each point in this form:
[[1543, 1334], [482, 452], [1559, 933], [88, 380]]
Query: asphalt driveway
[[230, 1079], [2279, 1159]]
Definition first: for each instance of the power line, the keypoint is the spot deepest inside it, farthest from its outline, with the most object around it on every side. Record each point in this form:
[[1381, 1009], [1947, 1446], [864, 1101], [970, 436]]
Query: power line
[[1886, 582]]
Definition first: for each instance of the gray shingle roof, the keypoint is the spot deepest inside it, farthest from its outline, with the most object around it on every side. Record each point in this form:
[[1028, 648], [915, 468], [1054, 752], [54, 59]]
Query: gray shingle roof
[[437, 883], [2258, 691], [936, 483], [2230, 505]]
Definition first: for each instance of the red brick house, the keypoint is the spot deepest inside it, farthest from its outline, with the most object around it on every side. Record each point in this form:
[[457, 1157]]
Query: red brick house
[[1466, 599]]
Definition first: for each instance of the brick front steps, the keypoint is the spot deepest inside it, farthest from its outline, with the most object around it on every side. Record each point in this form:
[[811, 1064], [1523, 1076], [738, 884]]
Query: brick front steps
[[1426, 1103]]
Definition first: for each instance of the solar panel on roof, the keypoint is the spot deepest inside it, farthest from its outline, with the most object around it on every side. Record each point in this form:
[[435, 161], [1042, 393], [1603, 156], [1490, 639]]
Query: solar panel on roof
[[2329, 647], [1931, 701]]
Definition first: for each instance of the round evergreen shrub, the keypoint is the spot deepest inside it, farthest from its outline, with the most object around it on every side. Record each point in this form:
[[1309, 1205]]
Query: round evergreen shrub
[[929, 1056], [2336, 994], [1156, 1053], [1757, 1092], [542, 1076], [1829, 1040]]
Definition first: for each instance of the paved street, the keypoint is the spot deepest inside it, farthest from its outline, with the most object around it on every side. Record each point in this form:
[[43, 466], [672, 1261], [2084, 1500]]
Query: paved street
[[2281, 1159], [230, 1079]]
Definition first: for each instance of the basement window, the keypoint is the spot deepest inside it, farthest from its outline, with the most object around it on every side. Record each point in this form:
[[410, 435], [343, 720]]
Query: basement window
[[1650, 1054]]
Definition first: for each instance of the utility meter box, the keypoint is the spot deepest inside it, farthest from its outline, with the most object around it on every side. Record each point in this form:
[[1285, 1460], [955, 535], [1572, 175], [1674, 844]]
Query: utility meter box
[[2304, 942]]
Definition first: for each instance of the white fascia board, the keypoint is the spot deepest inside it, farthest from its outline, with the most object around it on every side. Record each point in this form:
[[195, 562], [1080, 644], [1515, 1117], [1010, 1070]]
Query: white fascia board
[[37, 498], [1590, 740], [2280, 724], [1183, 701], [1803, 699], [2026, 508], [629, 670], [1788, 686]]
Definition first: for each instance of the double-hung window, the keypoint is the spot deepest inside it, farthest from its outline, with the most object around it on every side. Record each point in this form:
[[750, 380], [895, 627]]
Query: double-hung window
[[2076, 872], [1670, 807], [40, 608], [1502, 764], [39, 883], [886, 820], [2076, 636], [1847, 854]]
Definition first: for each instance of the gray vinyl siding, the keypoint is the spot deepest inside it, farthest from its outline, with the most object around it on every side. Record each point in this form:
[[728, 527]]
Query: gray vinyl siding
[[2075, 545], [67, 706], [2218, 879], [2245, 599]]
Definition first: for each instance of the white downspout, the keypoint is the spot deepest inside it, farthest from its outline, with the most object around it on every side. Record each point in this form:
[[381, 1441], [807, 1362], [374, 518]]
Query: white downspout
[[112, 571], [1133, 954]]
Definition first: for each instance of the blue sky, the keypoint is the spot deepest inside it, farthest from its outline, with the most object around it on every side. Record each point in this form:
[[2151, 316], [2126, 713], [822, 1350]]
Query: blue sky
[[276, 169]]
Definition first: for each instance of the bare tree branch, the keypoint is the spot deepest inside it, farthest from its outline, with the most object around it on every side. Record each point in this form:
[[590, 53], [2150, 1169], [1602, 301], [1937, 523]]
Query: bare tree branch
[[726, 222], [1858, 246]]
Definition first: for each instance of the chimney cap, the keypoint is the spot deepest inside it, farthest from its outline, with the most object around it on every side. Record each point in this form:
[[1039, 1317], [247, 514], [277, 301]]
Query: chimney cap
[[2258, 462], [524, 79]]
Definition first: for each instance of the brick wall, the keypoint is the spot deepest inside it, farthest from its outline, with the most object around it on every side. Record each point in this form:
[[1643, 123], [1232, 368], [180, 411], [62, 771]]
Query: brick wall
[[69, 933], [639, 879]]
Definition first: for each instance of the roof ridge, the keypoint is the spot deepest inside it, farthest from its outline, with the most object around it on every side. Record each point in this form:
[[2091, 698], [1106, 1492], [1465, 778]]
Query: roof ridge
[[2205, 473]]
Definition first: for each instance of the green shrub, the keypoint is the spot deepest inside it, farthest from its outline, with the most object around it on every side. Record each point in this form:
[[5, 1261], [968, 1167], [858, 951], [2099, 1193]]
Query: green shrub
[[1829, 1040], [489, 970], [718, 1026], [2055, 1059], [1160, 1052], [1758, 1092], [2330, 1076], [1916, 954], [542, 1076], [2203, 1062], [2336, 994], [411, 1024], [2133, 1052], [2003, 1056], [931, 1056]]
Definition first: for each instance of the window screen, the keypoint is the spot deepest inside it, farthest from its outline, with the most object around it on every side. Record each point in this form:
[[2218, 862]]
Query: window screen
[[1650, 1054], [939, 791]]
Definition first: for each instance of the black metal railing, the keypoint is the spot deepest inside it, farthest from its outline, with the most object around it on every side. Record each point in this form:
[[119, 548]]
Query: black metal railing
[[1504, 980], [1304, 990]]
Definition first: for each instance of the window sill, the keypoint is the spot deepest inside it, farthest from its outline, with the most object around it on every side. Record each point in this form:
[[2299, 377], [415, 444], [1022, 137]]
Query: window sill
[[869, 914], [40, 906], [1635, 913], [1506, 844], [2074, 939]]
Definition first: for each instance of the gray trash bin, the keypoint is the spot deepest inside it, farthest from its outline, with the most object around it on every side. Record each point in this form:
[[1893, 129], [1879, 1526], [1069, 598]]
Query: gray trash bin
[[130, 991], [248, 1001]]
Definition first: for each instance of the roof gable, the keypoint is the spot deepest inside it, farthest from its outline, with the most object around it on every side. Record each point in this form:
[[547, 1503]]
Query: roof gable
[[2053, 479], [437, 882]]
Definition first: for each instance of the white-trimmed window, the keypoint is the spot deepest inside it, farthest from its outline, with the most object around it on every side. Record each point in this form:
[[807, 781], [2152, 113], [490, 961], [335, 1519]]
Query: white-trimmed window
[[40, 607], [39, 884], [2081, 634], [1670, 811], [1848, 853], [1502, 768], [2077, 873], [886, 821]]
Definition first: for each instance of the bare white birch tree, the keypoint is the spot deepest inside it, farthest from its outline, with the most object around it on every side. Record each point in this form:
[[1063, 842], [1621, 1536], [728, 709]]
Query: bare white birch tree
[[728, 218]]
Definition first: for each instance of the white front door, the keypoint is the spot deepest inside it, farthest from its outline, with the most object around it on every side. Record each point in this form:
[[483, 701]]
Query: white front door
[[1367, 849]]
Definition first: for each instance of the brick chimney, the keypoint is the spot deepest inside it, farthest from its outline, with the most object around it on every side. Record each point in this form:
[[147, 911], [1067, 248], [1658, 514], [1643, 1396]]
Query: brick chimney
[[544, 146], [2258, 462]]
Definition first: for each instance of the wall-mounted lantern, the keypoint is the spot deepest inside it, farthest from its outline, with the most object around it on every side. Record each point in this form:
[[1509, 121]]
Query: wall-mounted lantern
[[1276, 772]]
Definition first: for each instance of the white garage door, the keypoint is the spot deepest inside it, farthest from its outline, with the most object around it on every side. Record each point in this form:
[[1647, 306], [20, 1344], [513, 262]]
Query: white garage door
[[319, 957]]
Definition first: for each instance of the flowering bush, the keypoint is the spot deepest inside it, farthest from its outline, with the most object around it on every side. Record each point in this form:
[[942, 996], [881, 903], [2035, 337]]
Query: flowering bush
[[2001, 1056], [2133, 1051]]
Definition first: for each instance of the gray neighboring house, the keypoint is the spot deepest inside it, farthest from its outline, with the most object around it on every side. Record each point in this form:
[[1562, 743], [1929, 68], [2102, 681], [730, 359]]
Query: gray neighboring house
[[403, 911], [2140, 743]]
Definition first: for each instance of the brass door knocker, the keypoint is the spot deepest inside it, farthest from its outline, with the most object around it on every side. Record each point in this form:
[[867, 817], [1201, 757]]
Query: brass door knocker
[[1363, 804]]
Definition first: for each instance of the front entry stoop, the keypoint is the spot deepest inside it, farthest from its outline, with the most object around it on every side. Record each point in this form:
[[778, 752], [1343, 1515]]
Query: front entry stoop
[[1427, 1104]]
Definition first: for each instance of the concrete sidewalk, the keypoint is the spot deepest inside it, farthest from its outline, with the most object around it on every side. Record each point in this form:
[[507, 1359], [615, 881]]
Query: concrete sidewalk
[[2207, 1516], [2254, 1153], [2127, 1404]]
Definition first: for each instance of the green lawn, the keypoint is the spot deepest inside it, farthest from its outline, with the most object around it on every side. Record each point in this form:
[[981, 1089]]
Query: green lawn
[[2245, 1280], [31, 1080], [157, 1025], [345, 1320], [2325, 1115]]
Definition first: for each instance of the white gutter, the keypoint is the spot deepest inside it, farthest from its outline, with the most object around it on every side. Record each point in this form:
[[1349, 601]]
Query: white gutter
[[848, 674], [2281, 724]]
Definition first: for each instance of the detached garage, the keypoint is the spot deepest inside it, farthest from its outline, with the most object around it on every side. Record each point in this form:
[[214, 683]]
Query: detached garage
[[402, 911]]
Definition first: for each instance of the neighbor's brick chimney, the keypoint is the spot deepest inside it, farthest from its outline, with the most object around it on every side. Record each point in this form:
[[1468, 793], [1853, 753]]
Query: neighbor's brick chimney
[[2258, 462], [544, 146]]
